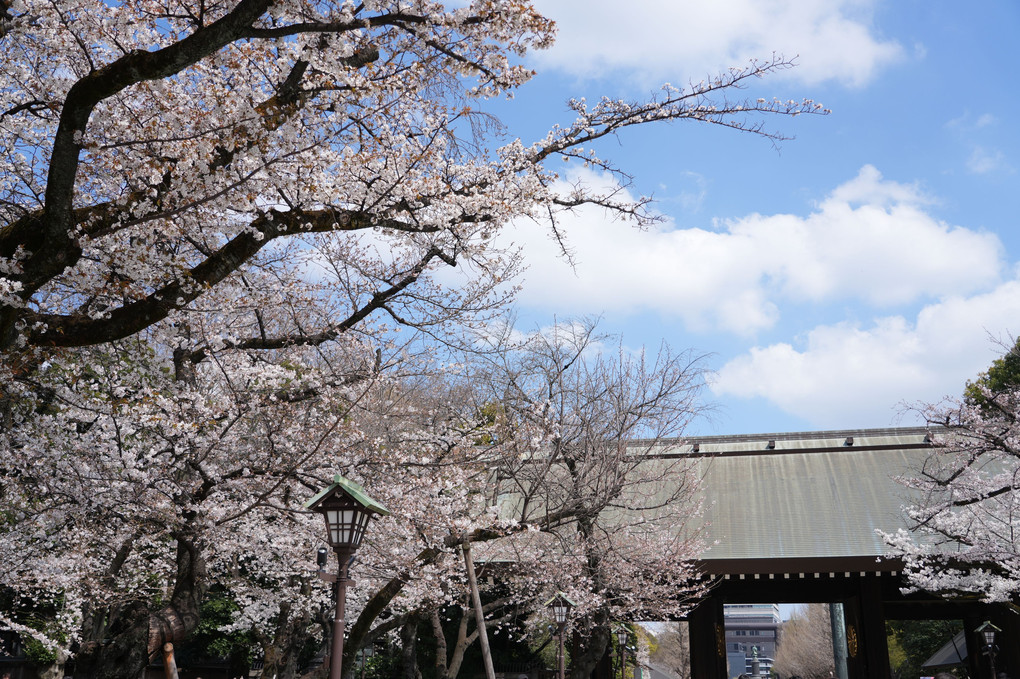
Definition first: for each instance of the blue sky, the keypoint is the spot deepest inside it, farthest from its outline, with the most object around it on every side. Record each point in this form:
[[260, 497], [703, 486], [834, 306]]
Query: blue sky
[[866, 264]]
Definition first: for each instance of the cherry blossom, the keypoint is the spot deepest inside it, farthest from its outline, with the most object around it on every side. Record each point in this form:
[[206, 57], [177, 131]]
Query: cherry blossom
[[221, 224]]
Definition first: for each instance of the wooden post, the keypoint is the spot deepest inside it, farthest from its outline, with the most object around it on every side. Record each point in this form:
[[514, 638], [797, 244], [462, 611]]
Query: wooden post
[[875, 644], [1008, 659], [483, 637], [169, 664], [561, 663], [708, 639]]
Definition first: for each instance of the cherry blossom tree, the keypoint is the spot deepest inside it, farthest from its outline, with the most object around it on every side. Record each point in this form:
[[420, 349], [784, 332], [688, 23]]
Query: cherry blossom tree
[[131, 492], [549, 479], [968, 493], [617, 514], [155, 150], [213, 216], [551, 484]]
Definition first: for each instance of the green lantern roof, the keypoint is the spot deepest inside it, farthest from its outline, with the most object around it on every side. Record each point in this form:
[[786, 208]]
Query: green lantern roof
[[351, 489], [562, 596]]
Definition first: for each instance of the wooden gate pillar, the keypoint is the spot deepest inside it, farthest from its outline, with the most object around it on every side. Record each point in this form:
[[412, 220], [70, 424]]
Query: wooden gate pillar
[[876, 644], [867, 653], [976, 666], [1009, 643], [708, 639]]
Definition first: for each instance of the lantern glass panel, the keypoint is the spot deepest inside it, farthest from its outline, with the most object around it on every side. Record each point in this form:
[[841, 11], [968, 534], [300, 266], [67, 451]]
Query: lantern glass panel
[[989, 637], [621, 636], [346, 525]]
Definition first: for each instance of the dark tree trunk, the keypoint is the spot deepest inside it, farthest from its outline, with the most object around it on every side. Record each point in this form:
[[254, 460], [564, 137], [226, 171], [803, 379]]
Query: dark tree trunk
[[121, 645], [590, 649], [122, 650], [281, 653], [408, 650]]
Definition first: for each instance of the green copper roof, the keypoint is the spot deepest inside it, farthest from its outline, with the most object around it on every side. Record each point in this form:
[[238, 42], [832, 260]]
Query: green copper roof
[[353, 490], [793, 498], [564, 597], [806, 495]]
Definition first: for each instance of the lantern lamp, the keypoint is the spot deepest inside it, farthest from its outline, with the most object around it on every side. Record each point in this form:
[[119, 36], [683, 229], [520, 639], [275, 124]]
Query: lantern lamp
[[988, 631], [560, 606], [347, 509]]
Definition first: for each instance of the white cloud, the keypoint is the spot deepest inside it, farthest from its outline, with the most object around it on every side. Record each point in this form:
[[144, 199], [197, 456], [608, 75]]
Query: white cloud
[[985, 120], [983, 161], [870, 240], [968, 122], [846, 375], [679, 41]]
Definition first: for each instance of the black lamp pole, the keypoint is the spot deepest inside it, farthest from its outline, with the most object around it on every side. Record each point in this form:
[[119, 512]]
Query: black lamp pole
[[988, 630], [560, 606], [621, 640]]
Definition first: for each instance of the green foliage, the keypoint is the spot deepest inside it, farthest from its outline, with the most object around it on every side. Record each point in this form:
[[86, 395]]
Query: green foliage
[[645, 638], [897, 656], [37, 653], [386, 664], [1002, 375], [492, 420], [38, 615], [209, 641], [918, 640]]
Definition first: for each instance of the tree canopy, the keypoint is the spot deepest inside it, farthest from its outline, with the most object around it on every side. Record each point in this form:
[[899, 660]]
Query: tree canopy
[[1002, 375], [967, 492], [222, 224], [805, 644]]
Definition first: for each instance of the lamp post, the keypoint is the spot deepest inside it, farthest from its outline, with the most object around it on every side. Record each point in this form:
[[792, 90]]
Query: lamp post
[[987, 631], [346, 509], [366, 653], [621, 640], [560, 606]]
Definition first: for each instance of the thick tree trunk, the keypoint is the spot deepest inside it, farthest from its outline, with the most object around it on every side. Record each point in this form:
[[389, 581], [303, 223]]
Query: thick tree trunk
[[120, 653], [591, 648], [55, 671], [441, 648], [121, 646], [281, 654], [459, 648], [409, 651]]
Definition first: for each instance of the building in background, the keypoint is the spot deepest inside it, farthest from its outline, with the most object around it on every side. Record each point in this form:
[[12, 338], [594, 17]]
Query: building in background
[[751, 631]]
